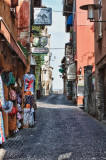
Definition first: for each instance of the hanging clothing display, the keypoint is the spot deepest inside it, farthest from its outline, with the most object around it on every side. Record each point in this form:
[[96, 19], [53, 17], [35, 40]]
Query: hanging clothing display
[[29, 81], [2, 136], [29, 100], [28, 119], [8, 106], [2, 102], [8, 78]]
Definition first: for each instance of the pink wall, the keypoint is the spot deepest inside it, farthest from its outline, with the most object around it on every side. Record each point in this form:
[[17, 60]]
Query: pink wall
[[84, 39]]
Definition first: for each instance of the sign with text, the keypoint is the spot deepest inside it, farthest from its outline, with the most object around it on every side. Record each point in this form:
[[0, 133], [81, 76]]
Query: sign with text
[[42, 16], [39, 50]]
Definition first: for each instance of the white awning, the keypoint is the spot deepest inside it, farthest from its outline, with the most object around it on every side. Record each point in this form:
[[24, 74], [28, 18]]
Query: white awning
[[71, 72]]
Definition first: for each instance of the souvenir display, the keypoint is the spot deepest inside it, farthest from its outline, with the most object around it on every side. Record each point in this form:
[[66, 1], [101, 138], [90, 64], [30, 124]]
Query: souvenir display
[[28, 119], [8, 106], [2, 136], [19, 113], [29, 81], [14, 111], [29, 100], [2, 102], [8, 78], [12, 95]]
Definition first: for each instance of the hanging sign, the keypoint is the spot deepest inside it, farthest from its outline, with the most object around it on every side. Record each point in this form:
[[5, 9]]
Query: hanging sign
[[43, 41], [36, 41], [38, 50], [42, 16]]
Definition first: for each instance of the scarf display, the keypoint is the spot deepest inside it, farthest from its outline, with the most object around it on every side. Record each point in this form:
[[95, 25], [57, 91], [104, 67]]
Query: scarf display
[[2, 136], [2, 102]]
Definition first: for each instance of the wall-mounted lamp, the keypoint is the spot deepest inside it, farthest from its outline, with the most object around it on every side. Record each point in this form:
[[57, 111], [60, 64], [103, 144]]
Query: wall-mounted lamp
[[80, 70], [91, 8]]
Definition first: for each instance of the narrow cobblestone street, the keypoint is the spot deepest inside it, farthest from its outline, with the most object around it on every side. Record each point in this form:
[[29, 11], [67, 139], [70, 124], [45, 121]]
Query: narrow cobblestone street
[[62, 132]]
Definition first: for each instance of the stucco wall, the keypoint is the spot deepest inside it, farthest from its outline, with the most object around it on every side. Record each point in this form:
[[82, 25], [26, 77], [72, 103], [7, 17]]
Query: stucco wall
[[100, 46], [84, 40], [8, 17]]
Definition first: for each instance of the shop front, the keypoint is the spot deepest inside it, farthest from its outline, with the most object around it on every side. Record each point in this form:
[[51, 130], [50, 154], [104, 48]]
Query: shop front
[[13, 65]]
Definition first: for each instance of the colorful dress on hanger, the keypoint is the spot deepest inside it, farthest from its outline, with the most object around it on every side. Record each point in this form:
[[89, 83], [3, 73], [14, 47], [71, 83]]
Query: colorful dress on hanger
[[2, 102], [2, 135]]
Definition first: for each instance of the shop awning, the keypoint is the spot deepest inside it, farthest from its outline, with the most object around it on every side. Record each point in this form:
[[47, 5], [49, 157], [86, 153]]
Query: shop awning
[[4, 30], [71, 72], [70, 20]]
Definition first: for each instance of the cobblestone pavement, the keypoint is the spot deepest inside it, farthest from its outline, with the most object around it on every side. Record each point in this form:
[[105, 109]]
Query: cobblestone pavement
[[62, 132]]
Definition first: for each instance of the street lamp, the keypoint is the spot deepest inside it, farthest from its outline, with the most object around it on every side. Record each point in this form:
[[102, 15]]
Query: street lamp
[[91, 8], [80, 70]]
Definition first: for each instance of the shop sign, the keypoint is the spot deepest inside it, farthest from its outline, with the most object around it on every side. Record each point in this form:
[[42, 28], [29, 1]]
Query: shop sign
[[81, 83], [71, 77], [43, 41], [42, 16], [39, 50], [71, 72], [36, 41]]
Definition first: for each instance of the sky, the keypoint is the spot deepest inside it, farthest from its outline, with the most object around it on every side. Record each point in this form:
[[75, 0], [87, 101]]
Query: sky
[[58, 39]]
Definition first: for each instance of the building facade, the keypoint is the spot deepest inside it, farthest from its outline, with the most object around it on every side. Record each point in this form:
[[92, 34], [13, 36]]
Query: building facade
[[100, 60], [15, 57], [81, 32]]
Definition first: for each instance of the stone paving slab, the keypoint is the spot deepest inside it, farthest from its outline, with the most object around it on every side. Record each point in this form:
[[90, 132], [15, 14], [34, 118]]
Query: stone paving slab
[[62, 132]]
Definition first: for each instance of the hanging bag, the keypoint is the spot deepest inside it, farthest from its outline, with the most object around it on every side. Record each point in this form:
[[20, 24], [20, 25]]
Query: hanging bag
[[14, 111], [13, 95]]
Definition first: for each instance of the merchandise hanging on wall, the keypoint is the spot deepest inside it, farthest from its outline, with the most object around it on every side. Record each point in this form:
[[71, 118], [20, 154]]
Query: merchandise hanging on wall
[[2, 102], [29, 101], [29, 81], [2, 135]]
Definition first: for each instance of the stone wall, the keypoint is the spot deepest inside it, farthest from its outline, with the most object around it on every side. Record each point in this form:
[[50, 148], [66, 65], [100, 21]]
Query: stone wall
[[92, 104]]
